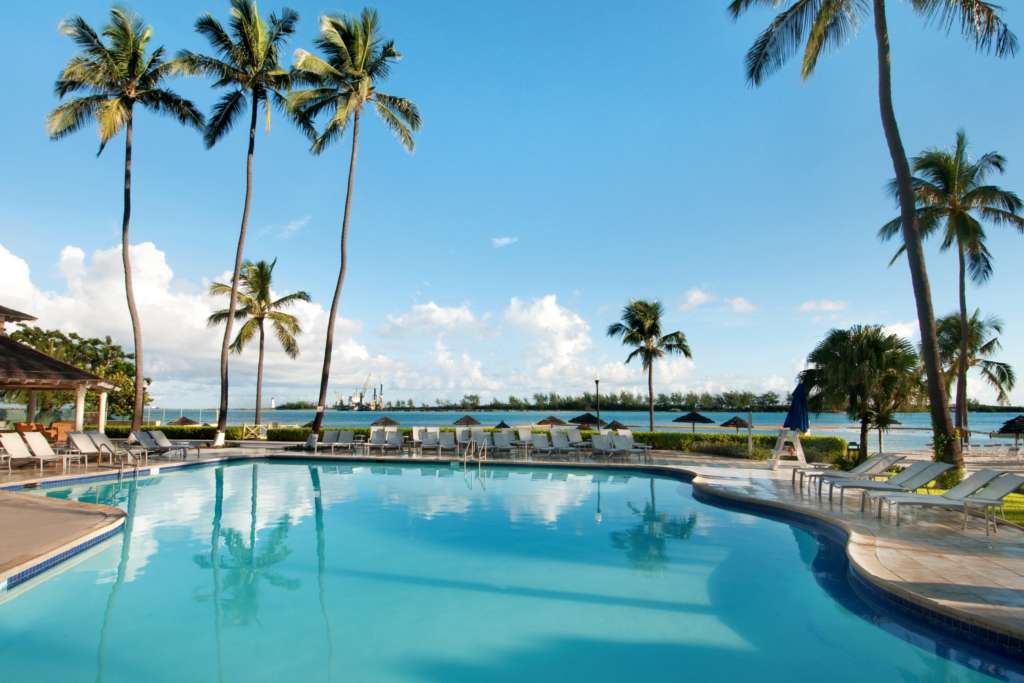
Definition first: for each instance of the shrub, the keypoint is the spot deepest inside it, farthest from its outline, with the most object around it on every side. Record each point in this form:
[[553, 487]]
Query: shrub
[[816, 448]]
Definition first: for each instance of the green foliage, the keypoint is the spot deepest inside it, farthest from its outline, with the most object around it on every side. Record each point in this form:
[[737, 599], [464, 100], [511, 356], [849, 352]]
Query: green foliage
[[120, 431], [983, 342], [101, 357], [831, 449]]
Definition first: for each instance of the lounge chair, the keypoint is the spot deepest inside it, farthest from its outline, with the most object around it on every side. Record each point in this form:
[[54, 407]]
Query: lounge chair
[[17, 448], [5, 455], [482, 443], [43, 451], [953, 498], [561, 444], [149, 447], [162, 441], [871, 467], [503, 441], [431, 441], [912, 478], [539, 444], [392, 442], [345, 440], [602, 444], [378, 439], [575, 438], [628, 447], [446, 442], [627, 434], [522, 440], [81, 443], [327, 438], [993, 497], [105, 445]]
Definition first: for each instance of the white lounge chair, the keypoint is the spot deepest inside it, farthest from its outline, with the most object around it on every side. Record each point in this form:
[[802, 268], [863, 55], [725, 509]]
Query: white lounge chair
[[953, 498], [627, 447], [602, 444], [149, 447], [328, 438], [393, 442], [42, 450], [81, 443], [429, 441], [627, 435], [539, 444], [993, 497], [123, 453], [16, 448], [503, 441], [482, 443], [446, 442], [871, 467], [522, 440], [912, 478], [561, 444], [378, 439], [345, 440]]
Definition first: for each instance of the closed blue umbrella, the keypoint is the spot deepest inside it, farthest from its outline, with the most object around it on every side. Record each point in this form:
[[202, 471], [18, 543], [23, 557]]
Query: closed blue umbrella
[[797, 417]]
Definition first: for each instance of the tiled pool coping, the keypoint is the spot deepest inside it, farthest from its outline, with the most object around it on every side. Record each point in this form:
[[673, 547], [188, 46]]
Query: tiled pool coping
[[958, 623]]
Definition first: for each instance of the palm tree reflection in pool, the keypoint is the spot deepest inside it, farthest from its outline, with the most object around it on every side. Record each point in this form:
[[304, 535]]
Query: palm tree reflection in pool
[[645, 543], [321, 563], [112, 493]]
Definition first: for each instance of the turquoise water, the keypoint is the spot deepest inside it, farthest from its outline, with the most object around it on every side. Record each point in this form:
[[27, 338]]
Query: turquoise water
[[325, 572]]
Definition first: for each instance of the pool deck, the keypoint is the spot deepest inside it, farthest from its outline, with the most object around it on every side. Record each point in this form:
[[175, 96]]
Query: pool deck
[[927, 562]]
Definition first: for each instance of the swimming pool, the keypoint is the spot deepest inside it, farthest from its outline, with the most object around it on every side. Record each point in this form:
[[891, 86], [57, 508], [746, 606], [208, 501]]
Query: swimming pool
[[281, 571]]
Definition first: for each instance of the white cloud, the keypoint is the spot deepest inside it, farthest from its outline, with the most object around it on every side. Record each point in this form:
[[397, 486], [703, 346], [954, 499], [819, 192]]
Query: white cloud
[[502, 242], [559, 335], [696, 298], [288, 229], [462, 371], [823, 306], [432, 317], [908, 329], [740, 305]]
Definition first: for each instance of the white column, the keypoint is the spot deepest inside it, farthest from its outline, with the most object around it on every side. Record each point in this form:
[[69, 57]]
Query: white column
[[101, 417], [79, 409]]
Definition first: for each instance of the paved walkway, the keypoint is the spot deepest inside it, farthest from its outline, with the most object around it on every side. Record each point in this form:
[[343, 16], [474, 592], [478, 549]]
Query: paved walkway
[[929, 561]]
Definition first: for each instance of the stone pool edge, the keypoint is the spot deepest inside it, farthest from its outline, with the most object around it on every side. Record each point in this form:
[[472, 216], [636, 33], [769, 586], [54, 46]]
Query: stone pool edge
[[859, 547]]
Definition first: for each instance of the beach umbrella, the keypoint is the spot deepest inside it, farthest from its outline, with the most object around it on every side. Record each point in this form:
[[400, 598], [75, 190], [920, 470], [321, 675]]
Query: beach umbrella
[[552, 421], [183, 422], [737, 422], [798, 418], [1014, 426], [694, 419], [615, 424], [384, 422], [587, 419], [467, 421], [502, 425]]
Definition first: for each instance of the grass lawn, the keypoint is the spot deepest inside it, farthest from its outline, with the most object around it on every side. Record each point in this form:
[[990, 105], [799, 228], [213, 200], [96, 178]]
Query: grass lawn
[[1014, 505]]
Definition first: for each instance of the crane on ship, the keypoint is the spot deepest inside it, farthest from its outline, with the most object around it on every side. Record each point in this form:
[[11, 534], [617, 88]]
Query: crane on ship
[[357, 400]]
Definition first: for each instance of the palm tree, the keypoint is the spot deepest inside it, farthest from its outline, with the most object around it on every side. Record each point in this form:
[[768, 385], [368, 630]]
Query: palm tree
[[864, 371], [256, 306], [982, 343], [109, 77], [247, 62], [828, 25], [356, 59], [952, 194], [640, 328]]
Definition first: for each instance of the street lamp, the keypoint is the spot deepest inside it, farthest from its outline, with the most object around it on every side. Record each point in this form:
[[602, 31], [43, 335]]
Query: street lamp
[[597, 399]]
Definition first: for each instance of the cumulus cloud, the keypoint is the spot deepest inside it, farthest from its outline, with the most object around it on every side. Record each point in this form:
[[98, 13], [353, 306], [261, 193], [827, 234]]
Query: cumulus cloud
[[908, 329], [823, 306], [432, 317], [695, 298], [559, 335], [462, 371], [502, 242], [739, 304]]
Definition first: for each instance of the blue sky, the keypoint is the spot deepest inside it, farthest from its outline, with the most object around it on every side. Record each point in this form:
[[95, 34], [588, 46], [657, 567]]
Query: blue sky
[[613, 148]]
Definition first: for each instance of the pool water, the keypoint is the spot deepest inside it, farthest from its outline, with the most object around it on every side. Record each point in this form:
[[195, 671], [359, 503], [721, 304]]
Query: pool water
[[275, 571]]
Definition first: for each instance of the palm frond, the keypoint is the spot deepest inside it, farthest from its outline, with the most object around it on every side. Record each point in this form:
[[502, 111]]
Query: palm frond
[[223, 117]]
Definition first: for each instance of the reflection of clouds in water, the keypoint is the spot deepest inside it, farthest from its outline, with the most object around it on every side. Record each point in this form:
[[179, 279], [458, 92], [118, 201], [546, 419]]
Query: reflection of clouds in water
[[547, 500]]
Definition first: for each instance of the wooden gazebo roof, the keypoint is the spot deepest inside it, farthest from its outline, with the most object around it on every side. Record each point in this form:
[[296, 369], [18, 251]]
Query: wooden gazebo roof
[[22, 367]]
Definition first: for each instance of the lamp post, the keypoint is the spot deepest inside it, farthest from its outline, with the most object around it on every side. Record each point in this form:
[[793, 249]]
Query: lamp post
[[597, 399]]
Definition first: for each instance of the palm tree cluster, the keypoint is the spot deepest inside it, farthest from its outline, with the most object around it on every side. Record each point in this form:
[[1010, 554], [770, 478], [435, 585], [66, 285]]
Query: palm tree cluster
[[113, 73], [824, 26]]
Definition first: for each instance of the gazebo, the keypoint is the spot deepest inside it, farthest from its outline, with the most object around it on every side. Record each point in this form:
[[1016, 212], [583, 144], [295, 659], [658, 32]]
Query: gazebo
[[22, 368]]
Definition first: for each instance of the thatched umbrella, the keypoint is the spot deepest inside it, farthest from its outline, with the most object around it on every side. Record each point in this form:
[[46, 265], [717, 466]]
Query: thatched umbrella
[[467, 421], [384, 422], [737, 422], [502, 425], [1015, 427], [587, 419], [552, 421], [183, 422], [694, 419], [615, 424]]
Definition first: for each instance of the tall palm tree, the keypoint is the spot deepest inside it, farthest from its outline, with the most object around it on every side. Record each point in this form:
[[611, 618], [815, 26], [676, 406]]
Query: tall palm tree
[[247, 62], [640, 327], [256, 306], [953, 195], [828, 25], [982, 343], [341, 83], [109, 78], [860, 370]]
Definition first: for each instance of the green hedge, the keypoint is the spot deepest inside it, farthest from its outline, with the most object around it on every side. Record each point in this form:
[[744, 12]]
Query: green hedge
[[816, 448], [177, 431]]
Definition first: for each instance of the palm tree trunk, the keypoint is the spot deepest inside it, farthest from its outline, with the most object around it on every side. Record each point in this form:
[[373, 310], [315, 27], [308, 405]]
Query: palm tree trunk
[[650, 395], [129, 289], [259, 378], [947, 449], [862, 447], [222, 415], [325, 375], [961, 379]]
